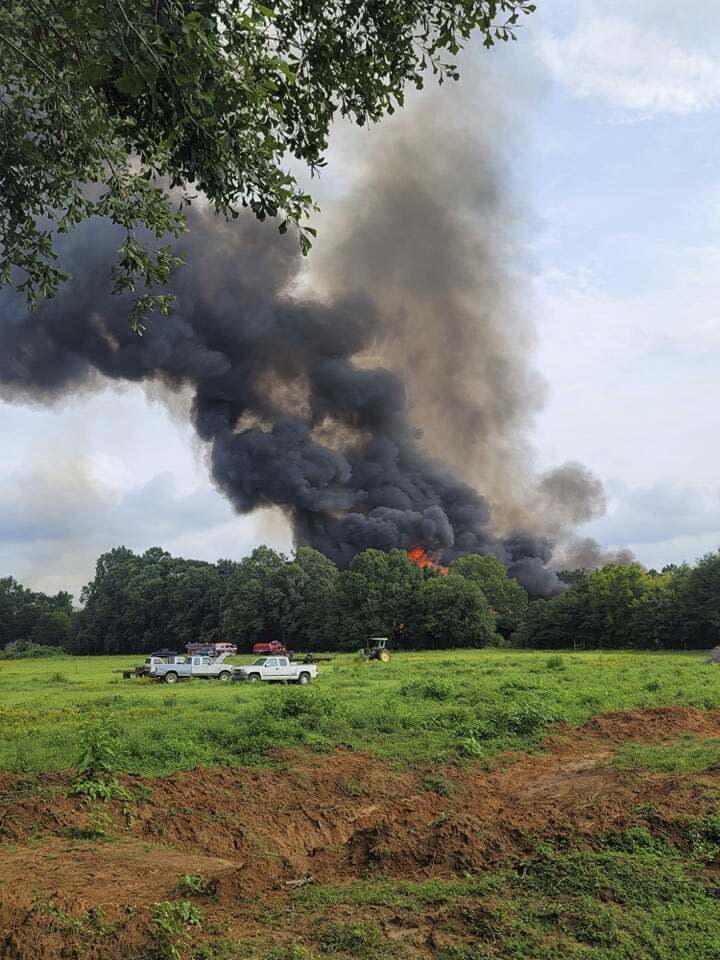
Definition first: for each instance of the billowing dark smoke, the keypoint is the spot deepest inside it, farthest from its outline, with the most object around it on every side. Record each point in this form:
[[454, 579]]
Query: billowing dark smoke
[[291, 420], [430, 229], [314, 404]]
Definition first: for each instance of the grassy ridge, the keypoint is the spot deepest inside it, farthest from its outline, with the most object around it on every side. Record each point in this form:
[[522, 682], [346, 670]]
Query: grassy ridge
[[420, 708]]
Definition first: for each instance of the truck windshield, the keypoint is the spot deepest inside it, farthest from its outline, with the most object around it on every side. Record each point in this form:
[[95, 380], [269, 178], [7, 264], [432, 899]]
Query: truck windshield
[[258, 662]]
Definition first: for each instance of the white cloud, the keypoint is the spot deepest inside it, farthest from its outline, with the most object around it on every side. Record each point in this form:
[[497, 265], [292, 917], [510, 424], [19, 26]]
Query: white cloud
[[642, 56], [633, 385], [106, 470], [660, 513]]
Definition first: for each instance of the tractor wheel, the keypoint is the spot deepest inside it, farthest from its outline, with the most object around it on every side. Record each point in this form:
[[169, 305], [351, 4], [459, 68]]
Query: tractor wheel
[[224, 676], [384, 656], [304, 678], [171, 677]]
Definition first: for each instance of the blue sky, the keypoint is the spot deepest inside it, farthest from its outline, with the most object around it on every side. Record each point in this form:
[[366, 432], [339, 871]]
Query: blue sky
[[615, 116], [627, 186]]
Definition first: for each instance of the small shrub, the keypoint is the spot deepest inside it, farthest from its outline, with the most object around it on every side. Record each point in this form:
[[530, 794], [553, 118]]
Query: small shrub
[[437, 783], [435, 688], [98, 757], [555, 662], [173, 920], [57, 677], [95, 769], [98, 829], [470, 747], [300, 703], [703, 834], [26, 650], [193, 885], [528, 719]]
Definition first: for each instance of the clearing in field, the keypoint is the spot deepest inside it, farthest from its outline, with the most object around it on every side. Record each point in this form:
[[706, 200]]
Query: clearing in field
[[453, 806]]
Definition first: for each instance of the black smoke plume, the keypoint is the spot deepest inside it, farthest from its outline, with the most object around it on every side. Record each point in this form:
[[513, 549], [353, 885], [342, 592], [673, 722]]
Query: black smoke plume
[[314, 403], [291, 420]]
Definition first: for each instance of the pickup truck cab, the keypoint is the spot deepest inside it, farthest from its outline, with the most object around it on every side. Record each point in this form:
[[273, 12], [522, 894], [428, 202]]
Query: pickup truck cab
[[276, 668], [203, 667]]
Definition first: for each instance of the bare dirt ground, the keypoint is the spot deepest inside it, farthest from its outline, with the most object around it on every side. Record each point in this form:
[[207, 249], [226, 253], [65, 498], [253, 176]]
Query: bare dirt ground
[[257, 835]]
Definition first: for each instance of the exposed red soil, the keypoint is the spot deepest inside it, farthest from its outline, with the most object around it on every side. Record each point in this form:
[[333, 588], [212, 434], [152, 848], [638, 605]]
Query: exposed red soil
[[318, 819], [651, 726]]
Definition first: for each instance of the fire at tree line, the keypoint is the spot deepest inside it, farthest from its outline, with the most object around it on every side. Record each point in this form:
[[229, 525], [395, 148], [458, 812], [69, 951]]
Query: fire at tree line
[[139, 602]]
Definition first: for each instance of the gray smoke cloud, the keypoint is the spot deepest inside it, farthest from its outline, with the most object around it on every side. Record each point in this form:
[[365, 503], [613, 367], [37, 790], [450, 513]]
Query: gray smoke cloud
[[430, 228], [370, 411], [584, 553]]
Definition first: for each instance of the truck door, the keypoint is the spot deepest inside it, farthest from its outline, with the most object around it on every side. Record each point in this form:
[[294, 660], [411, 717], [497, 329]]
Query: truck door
[[283, 668], [201, 666], [272, 669]]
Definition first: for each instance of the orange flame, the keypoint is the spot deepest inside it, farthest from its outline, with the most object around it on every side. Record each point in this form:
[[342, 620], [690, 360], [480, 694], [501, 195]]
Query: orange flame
[[418, 556]]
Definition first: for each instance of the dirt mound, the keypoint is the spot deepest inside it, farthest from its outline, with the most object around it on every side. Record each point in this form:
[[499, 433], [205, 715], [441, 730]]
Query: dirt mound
[[105, 876], [261, 833], [659, 723]]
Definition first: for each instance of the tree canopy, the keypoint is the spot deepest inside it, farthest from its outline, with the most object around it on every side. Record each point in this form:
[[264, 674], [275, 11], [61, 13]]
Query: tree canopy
[[624, 606], [507, 599], [117, 108], [140, 602], [452, 611], [28, 615]]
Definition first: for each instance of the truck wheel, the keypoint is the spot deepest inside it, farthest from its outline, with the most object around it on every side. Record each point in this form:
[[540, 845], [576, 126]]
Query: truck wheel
[[224, 676], [253, 678], [171, 677], [304, 678]]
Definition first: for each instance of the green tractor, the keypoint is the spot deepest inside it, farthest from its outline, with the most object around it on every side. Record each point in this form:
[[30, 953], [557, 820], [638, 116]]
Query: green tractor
[[375, 649]]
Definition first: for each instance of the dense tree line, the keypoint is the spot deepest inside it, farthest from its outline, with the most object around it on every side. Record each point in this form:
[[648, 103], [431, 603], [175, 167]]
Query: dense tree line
[[619, 607], [141, 602], [144, 602], [32, 616]]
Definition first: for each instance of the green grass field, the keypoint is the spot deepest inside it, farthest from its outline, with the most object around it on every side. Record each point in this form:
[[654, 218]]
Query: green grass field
[[646, 890], [421, 708]]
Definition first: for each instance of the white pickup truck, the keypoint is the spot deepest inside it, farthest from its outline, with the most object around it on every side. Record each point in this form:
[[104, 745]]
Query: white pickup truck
[[276, 668], [185, 668]]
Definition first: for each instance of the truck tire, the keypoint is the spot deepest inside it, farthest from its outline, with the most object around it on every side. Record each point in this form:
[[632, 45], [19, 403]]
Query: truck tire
[[224, 676], [171, 677], [304, 678], [253, 678]]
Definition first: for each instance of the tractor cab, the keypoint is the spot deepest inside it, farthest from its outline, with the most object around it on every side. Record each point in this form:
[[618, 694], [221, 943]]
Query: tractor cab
[[375, 649]]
